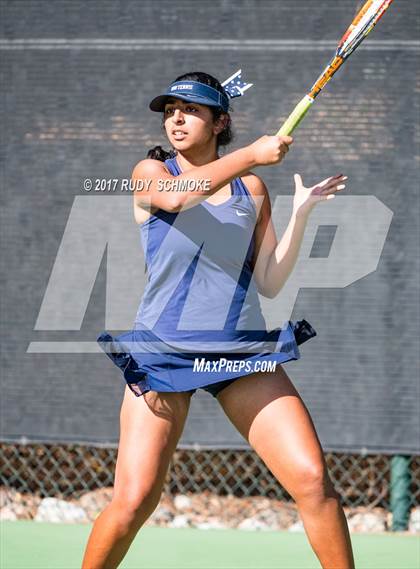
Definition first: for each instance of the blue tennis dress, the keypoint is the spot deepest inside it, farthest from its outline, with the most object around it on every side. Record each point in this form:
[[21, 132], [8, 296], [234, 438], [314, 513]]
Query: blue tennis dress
[[200, 320]]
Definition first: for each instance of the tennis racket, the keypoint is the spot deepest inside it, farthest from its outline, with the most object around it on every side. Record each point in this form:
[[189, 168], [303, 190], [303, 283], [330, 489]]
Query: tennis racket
[[364, 22]]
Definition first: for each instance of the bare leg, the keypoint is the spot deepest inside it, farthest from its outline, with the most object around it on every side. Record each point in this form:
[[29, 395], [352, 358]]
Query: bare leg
[[150, 427], [269, 413]]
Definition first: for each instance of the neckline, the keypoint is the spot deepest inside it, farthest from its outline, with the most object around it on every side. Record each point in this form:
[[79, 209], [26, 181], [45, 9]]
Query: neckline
[[205, 202]]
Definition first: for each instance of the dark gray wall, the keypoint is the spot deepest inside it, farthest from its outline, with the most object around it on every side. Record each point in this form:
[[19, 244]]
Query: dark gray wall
[[74, 111]]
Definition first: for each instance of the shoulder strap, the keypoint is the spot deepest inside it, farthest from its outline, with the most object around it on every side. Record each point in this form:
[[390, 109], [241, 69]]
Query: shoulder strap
[[172, 166], [239, 188]]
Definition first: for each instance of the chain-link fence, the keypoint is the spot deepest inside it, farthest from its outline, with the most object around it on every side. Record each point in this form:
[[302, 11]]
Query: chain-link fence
[[68, 472]]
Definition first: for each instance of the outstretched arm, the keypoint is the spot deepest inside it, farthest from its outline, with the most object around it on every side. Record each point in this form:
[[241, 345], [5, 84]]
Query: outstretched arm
[[274, 261]]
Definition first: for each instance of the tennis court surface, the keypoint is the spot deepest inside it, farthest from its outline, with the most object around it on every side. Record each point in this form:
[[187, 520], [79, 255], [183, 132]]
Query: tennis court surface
[[30, 545]]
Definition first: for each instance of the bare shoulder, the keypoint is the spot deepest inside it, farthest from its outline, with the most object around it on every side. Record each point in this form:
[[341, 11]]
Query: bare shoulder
[[257, 189], [254, 184], [146, 169], [149, 167]]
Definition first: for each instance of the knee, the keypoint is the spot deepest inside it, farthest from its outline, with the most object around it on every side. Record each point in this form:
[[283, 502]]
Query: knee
[[136, 505], [314, 483]]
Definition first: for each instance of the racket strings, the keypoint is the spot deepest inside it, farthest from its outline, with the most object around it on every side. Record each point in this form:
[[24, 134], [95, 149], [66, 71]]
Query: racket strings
[[357, 31], [367, 22]]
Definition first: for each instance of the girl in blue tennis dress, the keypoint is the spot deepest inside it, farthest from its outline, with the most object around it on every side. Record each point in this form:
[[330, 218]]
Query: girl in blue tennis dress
[[201, 304], [210, 250], [200, 324]]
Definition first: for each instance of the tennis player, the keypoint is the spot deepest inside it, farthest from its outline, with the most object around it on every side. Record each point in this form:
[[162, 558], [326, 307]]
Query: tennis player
[[209, 252]]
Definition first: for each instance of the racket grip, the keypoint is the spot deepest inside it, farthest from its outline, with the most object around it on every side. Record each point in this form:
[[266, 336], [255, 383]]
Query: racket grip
[[296, 116]]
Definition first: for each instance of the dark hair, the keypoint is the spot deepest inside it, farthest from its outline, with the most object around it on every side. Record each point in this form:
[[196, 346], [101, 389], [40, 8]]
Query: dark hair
[[223, 138]]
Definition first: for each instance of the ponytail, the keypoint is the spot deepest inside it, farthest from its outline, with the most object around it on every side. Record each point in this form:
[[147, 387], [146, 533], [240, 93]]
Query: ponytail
[[158, 153]]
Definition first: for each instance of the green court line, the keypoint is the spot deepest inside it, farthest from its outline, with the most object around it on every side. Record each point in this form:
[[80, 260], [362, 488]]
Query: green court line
[[32, 545]]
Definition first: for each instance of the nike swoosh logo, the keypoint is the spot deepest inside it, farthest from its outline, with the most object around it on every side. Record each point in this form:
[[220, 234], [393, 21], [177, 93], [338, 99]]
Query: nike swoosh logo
[[239, 213]]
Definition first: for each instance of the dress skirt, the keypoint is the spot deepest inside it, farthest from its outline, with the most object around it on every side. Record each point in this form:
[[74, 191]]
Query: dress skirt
[[150, 364]]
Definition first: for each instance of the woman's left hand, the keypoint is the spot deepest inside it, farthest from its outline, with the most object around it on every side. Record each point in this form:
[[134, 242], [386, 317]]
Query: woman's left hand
[[305, 199]]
